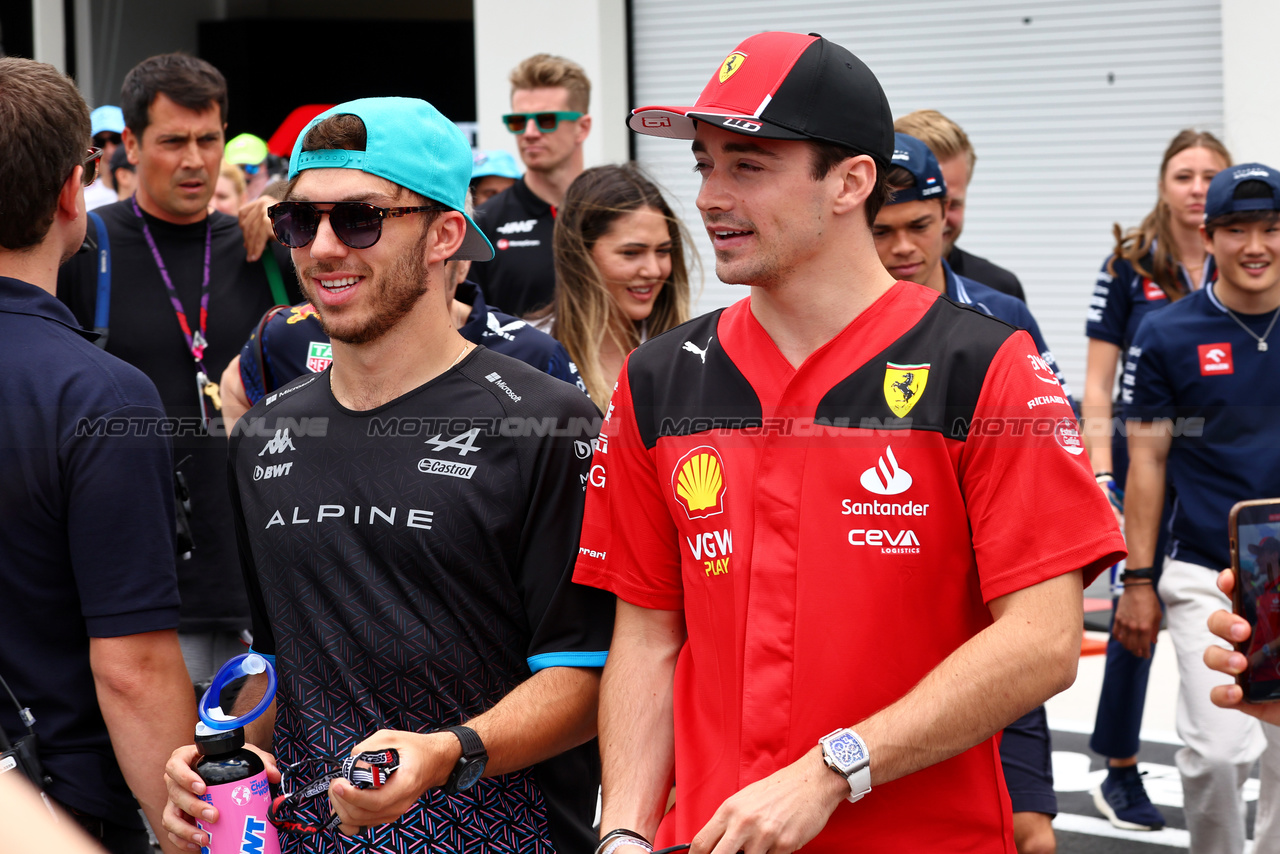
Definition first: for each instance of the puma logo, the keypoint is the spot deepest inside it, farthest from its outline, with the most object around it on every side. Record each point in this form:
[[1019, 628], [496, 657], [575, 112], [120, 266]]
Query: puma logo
[[700, 351]]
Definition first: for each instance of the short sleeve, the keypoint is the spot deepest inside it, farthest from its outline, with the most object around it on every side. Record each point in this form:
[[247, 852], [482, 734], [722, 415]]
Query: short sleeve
[[1145, 388], [120, 523], [1110, 305], [629, 542], [250, 370], [572, 624], [1034, 508]]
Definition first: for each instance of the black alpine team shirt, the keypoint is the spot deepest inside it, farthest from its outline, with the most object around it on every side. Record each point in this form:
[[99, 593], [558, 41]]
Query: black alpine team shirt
[[410, 565]]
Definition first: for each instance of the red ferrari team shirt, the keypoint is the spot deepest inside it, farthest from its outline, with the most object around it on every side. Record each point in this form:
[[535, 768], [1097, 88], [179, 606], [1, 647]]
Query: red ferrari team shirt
[[833, 533]]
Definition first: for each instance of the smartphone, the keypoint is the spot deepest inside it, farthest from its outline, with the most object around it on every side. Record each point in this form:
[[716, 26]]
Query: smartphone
[[1254, 527]]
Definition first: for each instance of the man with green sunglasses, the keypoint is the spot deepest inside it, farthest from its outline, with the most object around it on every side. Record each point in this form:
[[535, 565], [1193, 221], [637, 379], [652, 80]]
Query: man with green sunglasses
[[549, 100]]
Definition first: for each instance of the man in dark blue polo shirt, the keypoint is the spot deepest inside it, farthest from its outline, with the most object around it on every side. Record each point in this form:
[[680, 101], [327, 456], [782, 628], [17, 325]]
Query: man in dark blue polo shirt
[[1198, 390], [90, 593]]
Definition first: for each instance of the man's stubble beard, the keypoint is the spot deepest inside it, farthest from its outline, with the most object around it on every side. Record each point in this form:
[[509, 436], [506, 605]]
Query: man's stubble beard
[[396, 293]]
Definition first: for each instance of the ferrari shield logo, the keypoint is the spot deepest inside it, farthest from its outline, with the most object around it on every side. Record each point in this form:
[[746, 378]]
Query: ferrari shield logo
[[731, 64], [903, 385]]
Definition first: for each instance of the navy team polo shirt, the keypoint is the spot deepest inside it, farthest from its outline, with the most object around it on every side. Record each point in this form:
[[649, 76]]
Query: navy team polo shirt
[[86, 545], [1193, 364]]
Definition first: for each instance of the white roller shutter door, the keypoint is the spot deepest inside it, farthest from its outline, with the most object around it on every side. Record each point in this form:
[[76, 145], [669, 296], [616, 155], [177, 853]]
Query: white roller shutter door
[[1068, 104]]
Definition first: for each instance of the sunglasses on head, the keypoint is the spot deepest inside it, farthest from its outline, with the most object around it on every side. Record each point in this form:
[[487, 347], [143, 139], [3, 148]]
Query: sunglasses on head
[[357, 224], [546, 122], [90, 165]]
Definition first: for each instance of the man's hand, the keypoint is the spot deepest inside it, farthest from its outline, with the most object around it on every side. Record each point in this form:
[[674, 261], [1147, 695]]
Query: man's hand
[[1236, 629], [778, 814], [1137, 620], [256, 226], [185, 788], [426, 761]]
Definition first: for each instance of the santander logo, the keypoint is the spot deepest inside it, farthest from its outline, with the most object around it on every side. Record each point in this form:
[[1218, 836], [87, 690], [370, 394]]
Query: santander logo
[[886, 477]]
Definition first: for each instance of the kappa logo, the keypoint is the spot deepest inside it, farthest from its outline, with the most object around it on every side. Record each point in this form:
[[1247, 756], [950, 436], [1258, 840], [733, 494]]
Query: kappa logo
[[463, 443], [903, 385], [731, 64], [1216, 359], [701, 352], [519, 226], [698, 482], [319, 356], [886, 477], [278, 444], [745, 125], [496, 327]]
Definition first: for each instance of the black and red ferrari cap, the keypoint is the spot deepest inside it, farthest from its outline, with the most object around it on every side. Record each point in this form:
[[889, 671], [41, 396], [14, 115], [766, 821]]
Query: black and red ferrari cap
[[785, 86]]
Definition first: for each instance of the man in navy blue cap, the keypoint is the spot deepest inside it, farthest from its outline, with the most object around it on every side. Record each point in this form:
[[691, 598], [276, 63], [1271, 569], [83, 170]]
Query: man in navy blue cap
[[407, 522], [909, 235], [1199, 396]]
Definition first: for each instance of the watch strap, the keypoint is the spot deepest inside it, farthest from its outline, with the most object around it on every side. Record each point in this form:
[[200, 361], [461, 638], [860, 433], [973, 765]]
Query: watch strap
[[472, 745]]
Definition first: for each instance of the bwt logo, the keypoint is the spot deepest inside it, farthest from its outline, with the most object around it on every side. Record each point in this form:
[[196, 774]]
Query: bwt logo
[[254, 836], [268, 472]]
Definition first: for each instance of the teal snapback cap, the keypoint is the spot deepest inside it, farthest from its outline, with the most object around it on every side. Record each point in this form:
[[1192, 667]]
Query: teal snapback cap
[[410, 143]]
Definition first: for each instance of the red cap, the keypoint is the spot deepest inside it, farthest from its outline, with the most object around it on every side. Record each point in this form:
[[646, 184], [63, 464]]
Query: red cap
[[281, 142], [785, 86]]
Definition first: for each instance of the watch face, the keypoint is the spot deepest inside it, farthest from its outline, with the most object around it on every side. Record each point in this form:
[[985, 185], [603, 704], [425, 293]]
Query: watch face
[[468, 775], [846, 750]]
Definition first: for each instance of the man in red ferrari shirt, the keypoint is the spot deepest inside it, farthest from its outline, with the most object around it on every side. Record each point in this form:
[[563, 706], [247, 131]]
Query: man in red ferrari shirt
[[846, 519]]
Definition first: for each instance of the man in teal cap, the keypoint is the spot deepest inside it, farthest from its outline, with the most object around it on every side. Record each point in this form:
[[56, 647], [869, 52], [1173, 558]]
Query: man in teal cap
[[407, 535]]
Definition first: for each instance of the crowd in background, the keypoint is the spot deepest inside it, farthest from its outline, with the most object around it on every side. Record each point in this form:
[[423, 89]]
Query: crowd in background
[[186, 273]]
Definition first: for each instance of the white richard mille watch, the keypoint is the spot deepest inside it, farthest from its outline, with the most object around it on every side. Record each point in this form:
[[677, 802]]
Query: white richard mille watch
[[846, 754]]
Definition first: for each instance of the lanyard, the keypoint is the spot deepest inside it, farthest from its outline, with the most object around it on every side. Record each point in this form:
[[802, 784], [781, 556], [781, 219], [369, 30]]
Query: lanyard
[[284, 809], [196, 341]]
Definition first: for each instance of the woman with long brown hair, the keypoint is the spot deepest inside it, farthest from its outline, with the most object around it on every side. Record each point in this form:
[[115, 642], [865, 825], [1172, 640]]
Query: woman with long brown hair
[[1157, 263], [620, 272]]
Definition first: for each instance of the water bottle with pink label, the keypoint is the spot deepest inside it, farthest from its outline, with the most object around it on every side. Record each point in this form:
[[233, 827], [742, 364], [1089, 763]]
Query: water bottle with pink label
[[235, 778]]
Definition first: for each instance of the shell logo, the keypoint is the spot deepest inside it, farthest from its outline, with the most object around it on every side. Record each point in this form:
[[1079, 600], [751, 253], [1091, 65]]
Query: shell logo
[[698, 482]]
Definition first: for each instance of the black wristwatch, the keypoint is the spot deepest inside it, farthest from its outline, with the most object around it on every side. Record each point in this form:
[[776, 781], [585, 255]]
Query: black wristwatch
[[471, 763]]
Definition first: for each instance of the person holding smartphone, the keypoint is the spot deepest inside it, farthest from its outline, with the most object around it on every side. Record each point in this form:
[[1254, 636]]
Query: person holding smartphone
[[1201, 422]]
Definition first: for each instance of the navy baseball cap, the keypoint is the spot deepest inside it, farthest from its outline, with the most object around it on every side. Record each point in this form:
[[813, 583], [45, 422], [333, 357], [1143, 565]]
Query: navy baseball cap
[[410, 143], [785, 86], [916, 157], [1221, 199]]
